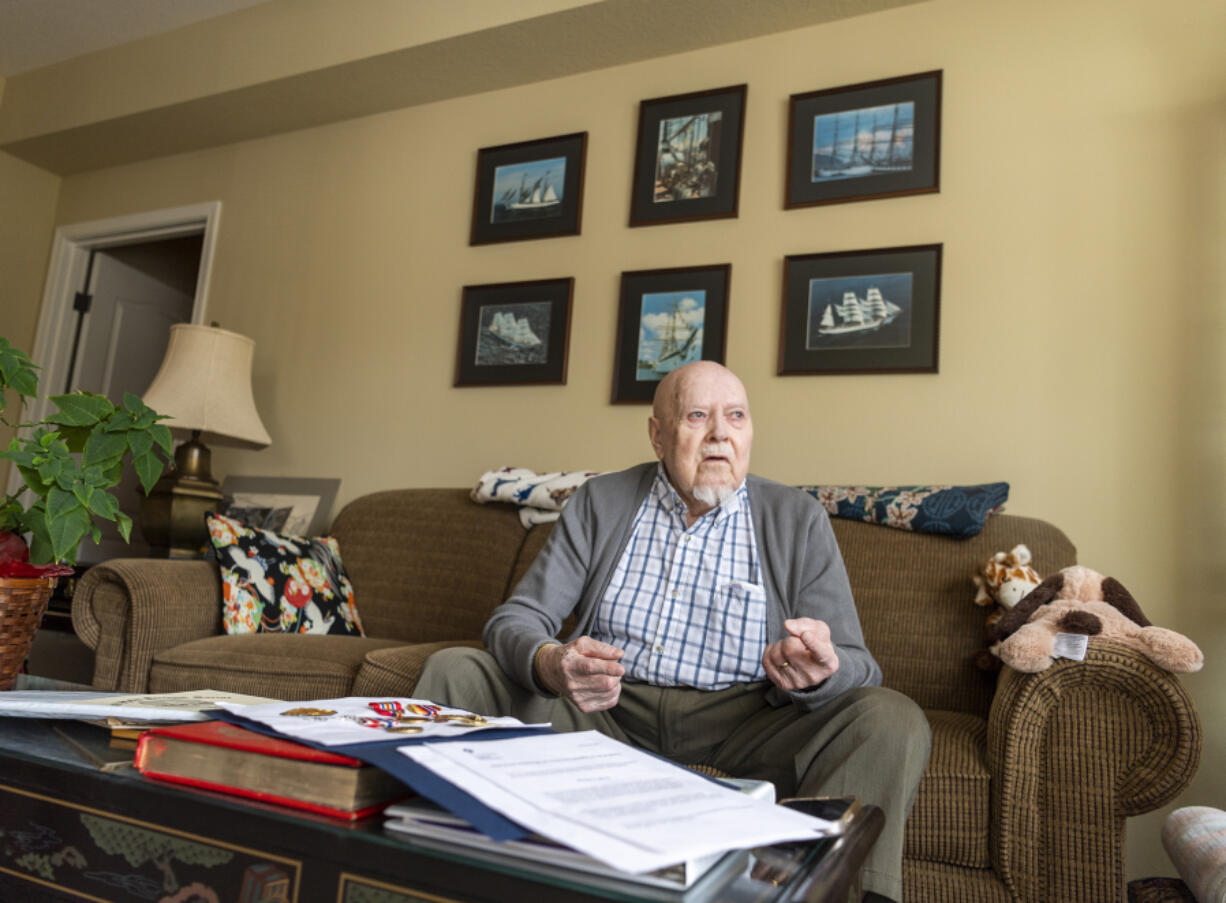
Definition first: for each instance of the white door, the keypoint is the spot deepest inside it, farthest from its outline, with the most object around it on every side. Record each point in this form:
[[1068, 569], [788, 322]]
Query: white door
[[139, 292], [124, 335]]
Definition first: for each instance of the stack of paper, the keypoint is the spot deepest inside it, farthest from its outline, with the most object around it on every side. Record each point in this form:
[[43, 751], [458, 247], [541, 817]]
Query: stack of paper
[[626, 809], [621, 806], [193, 705]]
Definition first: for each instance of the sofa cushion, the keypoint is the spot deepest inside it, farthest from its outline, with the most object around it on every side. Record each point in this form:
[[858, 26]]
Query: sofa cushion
[[279, 666], [395, 671], [950, 820], [271, 583], [427, 564]]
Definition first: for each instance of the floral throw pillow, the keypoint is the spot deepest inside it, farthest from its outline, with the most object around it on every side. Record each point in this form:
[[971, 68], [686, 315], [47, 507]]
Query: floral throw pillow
[[959, 511], [272, 583]]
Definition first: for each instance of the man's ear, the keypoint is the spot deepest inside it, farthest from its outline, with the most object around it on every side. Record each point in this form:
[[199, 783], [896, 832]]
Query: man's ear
[[653, 433]]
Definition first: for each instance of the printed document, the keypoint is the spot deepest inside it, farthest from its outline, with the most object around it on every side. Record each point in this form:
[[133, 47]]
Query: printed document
[[615, 803], [191, 705]]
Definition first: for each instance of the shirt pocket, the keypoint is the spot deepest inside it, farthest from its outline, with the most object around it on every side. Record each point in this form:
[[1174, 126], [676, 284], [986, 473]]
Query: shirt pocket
[[736, 625]]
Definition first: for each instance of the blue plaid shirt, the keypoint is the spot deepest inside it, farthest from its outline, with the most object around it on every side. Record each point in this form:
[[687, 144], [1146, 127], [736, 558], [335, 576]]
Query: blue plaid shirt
[[686, 604]]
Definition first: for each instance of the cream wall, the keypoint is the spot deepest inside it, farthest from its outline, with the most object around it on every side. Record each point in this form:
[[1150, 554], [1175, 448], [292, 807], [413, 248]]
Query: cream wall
[[27, 217], [1081, 210]]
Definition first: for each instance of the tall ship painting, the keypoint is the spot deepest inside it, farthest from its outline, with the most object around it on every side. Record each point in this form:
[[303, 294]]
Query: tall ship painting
[[535, 196], [676, 339], [531, 190], [867, 142], [858, 314], [670, 332], [510, 334], [514, 331]]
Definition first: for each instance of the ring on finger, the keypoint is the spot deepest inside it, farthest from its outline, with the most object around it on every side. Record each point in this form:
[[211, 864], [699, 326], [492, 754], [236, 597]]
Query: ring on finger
[[786, 664]]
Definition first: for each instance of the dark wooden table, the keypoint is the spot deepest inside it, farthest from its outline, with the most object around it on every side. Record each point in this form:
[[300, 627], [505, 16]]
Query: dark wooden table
[[76, 830]]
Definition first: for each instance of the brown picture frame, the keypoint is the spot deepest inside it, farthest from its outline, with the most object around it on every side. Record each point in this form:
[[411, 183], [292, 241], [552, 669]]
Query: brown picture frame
[[863, 142], [869, 311], [519, 194], [514, 333], [687, 159], [693, 301]]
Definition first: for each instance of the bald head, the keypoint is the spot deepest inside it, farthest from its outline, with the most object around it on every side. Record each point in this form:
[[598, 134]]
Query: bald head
[[700, 428], [671, 388]]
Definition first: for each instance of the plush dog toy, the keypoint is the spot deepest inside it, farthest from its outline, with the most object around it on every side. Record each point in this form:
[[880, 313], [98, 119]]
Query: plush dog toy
[[1079, 600], [1003, 581]]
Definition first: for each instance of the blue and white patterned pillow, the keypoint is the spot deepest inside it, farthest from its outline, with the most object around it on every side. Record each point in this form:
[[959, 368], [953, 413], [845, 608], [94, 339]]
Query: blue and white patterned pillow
[[953, 510]]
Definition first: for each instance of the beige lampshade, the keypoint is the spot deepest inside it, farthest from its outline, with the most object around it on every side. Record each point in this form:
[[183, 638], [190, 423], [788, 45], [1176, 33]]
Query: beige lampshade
[[205, 384]]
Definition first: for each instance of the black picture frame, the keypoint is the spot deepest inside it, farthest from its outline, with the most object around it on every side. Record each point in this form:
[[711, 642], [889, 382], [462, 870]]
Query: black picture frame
[[301, 506], [518, 193], [822, 331], [699, 177], [493, 350], [647, 296], [831, 162]]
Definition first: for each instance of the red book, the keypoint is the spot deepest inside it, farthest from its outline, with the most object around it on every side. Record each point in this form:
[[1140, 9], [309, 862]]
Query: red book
[[223, 757]]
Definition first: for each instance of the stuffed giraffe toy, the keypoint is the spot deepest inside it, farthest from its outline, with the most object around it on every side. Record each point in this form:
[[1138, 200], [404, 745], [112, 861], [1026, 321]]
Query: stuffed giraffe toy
[[1003, 581]]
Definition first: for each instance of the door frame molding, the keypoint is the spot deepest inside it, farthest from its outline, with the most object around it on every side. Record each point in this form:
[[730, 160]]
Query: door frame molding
[[70, 252]]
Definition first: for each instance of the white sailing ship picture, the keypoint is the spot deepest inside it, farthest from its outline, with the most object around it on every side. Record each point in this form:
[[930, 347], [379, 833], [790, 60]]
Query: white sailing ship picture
[[687, 157], [509, 334], [530, 190], [670, 332], [859, 312], [872, 141]]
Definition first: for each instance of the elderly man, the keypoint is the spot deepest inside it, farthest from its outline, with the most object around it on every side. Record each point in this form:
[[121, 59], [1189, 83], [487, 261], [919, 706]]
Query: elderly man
[[714, 625]]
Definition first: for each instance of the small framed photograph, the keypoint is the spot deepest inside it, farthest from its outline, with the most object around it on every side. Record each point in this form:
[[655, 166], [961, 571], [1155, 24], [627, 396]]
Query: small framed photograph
[[294, 506], [514, 333], [668, 318], [533, 189], [878, 139], [874, 311], [687, 161]]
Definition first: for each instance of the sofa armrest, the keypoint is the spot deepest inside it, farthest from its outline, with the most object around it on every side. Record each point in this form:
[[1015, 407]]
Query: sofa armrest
[[1073, 751], [129, 609]]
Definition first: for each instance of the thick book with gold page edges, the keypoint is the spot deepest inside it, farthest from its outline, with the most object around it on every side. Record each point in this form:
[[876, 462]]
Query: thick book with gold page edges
[[225, 758]]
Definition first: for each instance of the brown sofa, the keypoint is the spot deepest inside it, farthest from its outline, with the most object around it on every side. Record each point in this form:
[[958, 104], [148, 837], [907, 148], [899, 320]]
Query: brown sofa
[[1031, 775]]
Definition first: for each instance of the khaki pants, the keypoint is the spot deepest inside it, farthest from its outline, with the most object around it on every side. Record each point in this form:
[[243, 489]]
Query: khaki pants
[[871, 743]]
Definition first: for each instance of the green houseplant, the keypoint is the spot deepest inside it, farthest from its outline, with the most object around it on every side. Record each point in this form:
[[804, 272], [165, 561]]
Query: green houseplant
[[69, 465]]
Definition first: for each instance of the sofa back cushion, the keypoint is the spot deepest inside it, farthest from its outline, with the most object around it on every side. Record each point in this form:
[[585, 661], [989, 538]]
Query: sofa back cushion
[[916, 602], [427, 564]]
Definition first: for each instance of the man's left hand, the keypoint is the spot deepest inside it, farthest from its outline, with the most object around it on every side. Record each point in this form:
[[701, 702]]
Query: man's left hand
[[803, 659]]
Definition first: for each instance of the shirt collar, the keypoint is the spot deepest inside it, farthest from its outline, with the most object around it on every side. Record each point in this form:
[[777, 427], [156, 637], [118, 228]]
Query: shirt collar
[[670, 499]]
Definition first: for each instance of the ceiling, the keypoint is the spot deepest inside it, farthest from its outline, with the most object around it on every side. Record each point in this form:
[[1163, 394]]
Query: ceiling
[[109, 107], [37, 33]]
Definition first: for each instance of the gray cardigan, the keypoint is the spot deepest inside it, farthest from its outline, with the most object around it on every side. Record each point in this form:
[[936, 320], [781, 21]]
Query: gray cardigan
[[802, 572]]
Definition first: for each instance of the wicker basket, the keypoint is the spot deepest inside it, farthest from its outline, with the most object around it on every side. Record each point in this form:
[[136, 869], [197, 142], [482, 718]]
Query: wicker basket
[[22, 602]]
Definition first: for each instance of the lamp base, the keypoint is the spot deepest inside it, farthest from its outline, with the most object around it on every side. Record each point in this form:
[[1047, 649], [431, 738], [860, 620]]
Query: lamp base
[[172, 515]]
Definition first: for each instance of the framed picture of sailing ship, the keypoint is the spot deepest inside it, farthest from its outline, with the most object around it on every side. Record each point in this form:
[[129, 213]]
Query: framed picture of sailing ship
[[514, 333], [533, 189], [668, 318], [687, 160], [872, 311], [878, 139]]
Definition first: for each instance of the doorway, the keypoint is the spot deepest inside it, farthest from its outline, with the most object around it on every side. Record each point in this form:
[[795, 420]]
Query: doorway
[[114, 289]]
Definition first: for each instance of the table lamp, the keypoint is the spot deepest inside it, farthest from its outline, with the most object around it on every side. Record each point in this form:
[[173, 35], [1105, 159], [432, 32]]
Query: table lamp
[[204, 386]]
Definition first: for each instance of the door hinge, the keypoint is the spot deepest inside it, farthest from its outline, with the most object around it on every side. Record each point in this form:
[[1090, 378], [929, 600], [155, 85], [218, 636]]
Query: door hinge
[[82, 302]]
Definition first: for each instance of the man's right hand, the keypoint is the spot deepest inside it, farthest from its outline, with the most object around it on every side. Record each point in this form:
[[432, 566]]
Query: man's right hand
[[585, 671]]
